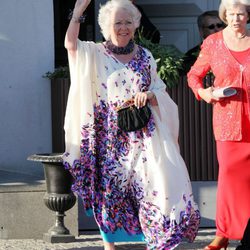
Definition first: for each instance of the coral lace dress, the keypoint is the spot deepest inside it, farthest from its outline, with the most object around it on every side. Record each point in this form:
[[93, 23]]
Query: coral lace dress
[[233, 197], [231, 127]]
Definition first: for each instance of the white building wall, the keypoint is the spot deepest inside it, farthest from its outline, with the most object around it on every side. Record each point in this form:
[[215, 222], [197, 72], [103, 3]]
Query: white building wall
[[26, 53]]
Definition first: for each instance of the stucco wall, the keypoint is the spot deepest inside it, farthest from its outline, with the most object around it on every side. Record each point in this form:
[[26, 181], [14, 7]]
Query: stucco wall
[[26, 53]]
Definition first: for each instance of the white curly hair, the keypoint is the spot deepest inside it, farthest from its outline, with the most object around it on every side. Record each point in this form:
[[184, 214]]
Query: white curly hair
[[225, 3], [104, 16]]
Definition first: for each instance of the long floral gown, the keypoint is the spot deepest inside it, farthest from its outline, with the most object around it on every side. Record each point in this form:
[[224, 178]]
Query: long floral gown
[[136, 183]]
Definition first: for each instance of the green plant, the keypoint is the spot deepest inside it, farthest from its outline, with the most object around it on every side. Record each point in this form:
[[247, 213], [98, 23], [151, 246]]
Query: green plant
[[168, 58], [60, 72]]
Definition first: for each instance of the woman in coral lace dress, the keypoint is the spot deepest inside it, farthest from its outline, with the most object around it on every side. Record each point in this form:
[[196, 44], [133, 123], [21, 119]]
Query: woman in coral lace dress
[[227, 55]]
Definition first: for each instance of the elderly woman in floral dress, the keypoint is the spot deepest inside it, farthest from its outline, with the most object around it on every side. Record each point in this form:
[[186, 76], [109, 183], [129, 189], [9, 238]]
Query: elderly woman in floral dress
[[135, 183]]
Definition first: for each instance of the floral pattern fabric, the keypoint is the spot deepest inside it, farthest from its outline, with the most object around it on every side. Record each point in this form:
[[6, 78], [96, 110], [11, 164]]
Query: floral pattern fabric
[[134, 181]]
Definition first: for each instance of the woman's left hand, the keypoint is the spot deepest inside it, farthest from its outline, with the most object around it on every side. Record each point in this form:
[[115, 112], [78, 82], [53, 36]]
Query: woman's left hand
[[140, 99]]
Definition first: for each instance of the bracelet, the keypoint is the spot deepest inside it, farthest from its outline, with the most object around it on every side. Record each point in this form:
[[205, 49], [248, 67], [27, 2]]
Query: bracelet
[[80, 19], [150, 93]]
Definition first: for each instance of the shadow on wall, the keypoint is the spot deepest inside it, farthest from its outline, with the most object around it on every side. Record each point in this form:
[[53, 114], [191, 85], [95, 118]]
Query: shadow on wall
[[13, 178]]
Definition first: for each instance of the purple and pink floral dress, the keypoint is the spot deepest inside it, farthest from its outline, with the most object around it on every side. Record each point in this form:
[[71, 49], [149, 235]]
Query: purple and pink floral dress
[[135, 183]]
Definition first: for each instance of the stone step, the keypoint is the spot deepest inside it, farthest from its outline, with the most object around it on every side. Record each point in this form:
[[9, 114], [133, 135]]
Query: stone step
[[23, 214]]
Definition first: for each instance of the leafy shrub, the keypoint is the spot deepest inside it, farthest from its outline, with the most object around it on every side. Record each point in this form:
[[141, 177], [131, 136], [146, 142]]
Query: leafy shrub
[[168, 59]]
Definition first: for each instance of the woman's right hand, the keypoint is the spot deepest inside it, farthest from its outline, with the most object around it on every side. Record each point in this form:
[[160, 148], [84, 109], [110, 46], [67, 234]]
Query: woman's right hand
[[80, 7], [207, 95], [72, 33]]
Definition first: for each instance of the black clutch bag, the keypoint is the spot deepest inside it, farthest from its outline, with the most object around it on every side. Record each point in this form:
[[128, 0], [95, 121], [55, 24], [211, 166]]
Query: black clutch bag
[[130, 118]]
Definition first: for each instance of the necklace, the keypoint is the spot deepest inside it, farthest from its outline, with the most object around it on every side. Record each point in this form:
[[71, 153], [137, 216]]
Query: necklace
[[121, 50], [242, 36]]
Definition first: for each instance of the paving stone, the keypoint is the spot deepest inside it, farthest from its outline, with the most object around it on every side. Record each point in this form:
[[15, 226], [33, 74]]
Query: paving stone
[[93, 241]]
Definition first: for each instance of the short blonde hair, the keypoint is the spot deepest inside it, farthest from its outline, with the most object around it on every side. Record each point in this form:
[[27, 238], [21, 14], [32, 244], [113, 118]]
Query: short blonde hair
[[225, 3], [104, 17]]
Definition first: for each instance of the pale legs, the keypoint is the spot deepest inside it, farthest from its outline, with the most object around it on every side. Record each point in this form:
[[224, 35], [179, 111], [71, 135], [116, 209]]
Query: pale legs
[[109, 245]]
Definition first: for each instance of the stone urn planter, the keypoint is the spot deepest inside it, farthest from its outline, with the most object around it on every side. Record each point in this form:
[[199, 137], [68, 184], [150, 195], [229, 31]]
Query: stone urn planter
[[58, 196]]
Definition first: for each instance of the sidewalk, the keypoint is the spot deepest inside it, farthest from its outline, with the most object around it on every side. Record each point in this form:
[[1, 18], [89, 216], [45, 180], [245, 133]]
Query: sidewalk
[[92, 241]]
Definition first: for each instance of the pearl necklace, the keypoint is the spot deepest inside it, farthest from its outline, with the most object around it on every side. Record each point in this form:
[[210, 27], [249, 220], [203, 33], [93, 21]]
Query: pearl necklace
[[242, 36]]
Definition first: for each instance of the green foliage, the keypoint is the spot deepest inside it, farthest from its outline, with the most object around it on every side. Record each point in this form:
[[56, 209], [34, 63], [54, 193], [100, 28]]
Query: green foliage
[[60, 72], [168, 58]]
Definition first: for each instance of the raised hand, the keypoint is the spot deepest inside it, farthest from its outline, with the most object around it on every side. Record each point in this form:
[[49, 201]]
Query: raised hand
[[80, 7], [72, 33]]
